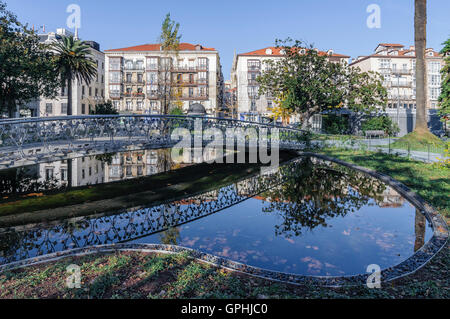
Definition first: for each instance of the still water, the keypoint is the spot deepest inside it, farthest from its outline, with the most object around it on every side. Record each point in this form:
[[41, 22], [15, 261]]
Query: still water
[[309, 217]]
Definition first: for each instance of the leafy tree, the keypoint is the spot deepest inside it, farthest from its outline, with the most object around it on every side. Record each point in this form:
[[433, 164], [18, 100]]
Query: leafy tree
[[104, 109], [170, 41], [315, 192], [27, 70], [74, 61], [444, 98], [335, 124], [309, 83], [177, 111]]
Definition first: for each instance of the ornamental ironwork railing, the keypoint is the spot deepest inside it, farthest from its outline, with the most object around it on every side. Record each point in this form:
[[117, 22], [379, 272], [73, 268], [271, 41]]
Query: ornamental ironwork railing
[[33, 139]]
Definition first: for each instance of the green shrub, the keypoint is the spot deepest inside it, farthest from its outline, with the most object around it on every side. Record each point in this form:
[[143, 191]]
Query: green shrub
[[335, 124], [380, 123]]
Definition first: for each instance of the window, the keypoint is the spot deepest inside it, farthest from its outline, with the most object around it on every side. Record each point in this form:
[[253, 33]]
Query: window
[[203, 63], [83, 90], [114, 90], [128, 75], [269, 105], [49, 173], [63, 108], [140, 78], [129, 106], [90, 171], [434, 93], [191, 92], [166, 63], [252, 105], [129, 65], [202, 77], [114, 64], [139, 105], [103, 79], [152, 90], [96, 92], [48, 108], [384, 63], [152, 77], [253, 65], [90, 91], [435, 80], [114, 77], [83, 174], [434, 67], [83, 108], [152, 63], [139, 65], [64, 174]]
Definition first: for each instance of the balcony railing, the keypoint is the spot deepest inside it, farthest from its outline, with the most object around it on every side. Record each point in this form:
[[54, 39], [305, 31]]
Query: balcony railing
[[134, 67], [254, 68], [401, 71], [401, 97], [252, 82], [405, 84]]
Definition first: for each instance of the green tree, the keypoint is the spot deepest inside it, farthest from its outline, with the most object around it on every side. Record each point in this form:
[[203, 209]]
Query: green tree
[[170, 42], [74, 61], [310, 83], [444, 98], [104, 109], [27, 70]]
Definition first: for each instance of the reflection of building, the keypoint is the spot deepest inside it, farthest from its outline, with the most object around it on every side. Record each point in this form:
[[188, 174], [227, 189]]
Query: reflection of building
[[391, 198], [84, 96], [138, 77], [245, 70], [85, 171]]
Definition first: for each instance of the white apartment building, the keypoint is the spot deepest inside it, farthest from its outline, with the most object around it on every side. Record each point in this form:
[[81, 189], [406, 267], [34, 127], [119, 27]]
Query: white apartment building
[[247, 67], [134, 77], [84, 96], [397, 64]]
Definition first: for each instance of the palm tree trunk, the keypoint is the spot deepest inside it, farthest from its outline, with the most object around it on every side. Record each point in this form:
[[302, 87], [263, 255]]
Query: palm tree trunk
[[69, 95], [420, 31]]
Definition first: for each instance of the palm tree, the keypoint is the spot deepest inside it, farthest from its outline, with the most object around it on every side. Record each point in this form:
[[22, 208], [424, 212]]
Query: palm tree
[[420, 31], [73, 61]]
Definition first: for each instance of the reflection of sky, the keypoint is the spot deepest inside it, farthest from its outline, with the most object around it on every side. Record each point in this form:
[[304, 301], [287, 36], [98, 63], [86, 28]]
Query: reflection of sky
[[371, 235]]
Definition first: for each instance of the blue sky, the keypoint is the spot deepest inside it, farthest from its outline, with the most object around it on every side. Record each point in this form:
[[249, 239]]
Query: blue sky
[[243, 25]]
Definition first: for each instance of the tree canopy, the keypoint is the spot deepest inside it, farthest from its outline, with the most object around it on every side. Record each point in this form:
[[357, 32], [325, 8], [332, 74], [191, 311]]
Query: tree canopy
[[27, 69], [444, 98], [307, 83]]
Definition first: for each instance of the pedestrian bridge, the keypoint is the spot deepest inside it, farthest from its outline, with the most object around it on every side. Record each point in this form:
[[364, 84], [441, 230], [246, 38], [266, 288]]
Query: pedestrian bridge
[[36, 140]]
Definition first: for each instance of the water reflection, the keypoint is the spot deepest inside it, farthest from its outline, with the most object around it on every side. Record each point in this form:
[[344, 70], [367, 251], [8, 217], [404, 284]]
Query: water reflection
[[309, 217], [90, 170]]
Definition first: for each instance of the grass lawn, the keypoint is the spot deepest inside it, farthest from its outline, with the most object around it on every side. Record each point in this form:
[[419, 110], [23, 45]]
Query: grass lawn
[[147, 275]]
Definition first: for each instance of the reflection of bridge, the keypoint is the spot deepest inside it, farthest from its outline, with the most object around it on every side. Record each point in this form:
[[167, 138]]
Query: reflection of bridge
[[35, 140], [17, 243]]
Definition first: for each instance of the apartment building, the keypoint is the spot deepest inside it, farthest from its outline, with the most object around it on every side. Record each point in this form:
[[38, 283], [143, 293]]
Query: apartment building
[[84, 96], [138, 78], [247, 67], [397, 65]]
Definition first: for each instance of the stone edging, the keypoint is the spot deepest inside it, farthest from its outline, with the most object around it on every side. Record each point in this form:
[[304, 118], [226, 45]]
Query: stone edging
[[407, 267]]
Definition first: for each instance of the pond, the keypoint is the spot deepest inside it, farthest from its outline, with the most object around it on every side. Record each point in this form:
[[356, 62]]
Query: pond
[[308, 217]]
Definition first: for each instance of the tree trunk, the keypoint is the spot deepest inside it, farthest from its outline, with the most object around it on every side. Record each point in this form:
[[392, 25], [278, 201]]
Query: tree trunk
[[12, 108], [419, 230], [420, 31], [69, 95]]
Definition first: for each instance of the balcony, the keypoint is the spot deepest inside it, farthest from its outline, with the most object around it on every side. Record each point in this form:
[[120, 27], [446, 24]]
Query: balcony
[[190, 83], [399, 84], [252, 82], [138, 82], [134, 67], [401, 97], [114, 95], [138, 94], [401, 71], [254, 68]]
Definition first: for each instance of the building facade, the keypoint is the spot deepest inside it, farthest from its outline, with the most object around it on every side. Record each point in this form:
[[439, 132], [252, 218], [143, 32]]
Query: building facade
[[138, 78], [245, 70], [397, 65], [84, 96]]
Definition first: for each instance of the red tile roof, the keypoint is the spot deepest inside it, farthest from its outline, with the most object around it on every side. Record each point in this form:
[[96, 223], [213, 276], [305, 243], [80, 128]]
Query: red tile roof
[[392, 45], [277, 52], [157, 47]]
